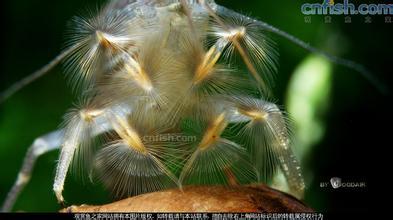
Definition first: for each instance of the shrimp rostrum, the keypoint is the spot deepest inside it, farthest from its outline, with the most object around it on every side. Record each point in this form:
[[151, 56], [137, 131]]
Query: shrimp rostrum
[[170, 93]]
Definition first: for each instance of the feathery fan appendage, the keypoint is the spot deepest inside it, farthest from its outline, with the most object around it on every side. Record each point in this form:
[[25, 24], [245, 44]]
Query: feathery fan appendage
[[101, 39], [214, 158], [260, 48], [151, 66], [223, 162], [139, 159], [273, 150], [126, 171], [258, 52], [80, 125]]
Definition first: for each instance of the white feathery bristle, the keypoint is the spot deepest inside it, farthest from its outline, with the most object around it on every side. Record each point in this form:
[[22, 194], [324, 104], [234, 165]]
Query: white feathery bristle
[[99, 41], [79, 125], [266, 133], [136, 160], [259, 48], [216, 159]]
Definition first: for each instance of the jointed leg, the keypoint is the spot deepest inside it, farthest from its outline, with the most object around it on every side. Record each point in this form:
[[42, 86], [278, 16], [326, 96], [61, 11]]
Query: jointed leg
[[66, 155], [41, 145], [83, 125]]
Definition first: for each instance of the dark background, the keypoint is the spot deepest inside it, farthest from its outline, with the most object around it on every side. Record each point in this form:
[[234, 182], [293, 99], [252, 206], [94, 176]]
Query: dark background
[[354, 146]]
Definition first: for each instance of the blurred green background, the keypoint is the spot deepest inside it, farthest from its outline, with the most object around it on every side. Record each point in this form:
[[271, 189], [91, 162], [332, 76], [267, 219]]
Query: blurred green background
[[338, 115]]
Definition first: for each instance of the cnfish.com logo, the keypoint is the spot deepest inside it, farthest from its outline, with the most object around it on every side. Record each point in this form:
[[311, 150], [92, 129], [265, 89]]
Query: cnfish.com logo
[[331, 7]]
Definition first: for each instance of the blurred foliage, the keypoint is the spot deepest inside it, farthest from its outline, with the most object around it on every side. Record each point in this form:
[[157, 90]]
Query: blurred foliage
[[34, 35], [307, 103]]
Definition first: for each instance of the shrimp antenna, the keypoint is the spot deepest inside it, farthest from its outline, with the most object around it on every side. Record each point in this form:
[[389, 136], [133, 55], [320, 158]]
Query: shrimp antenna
[[35, 75], [382, 88]]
